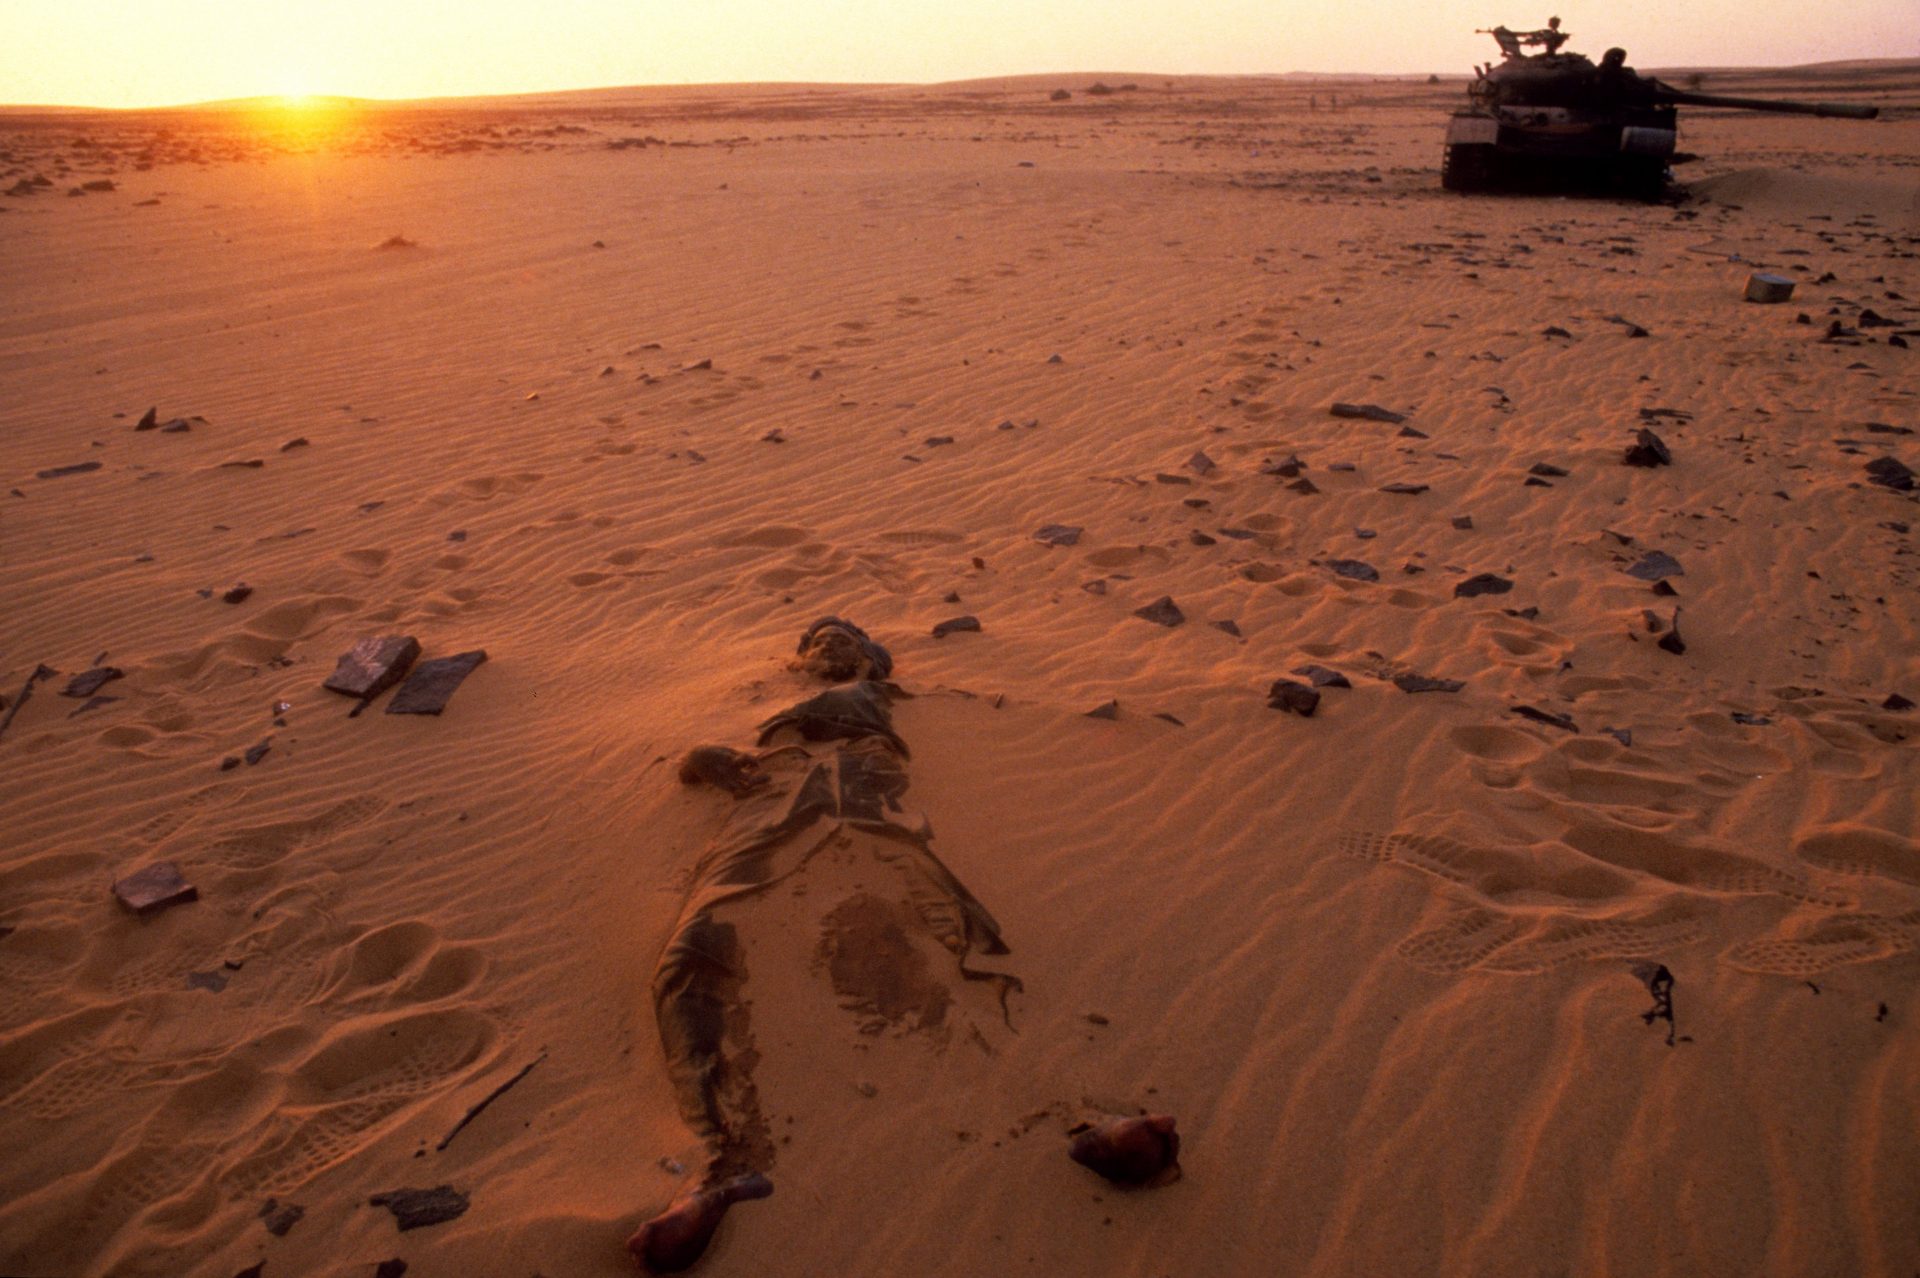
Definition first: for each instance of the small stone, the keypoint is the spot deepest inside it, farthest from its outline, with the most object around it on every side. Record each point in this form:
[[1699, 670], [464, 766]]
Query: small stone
[[1623, 735], [1564, 722], [1895, 701], [955, 625], [1426, 683], [1322, 677], [1648, 450], [1547, 471], [299, 441], [1161, 612], [148, 420], [1228, 626], [1201, 464], [256, 753], [212, 982], [1369, 412], [1750, 720], [395, 1268], [1890, 472], [373, 665], [418, 1208], [89, 682], [1296, 698], [1484, 583], [154, 888], [78, 468], [1353, 569], [1554, 330], [1058, 534], [1671, 641], [1304, 486], [1655, 565], [236, 594], [1762, 286], [1463, 522], [1107, 710], [1199, 538], [1405, 490]]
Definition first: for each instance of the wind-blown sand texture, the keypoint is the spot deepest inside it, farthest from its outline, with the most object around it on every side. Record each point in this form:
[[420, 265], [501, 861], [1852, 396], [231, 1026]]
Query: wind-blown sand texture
[[626, 390]]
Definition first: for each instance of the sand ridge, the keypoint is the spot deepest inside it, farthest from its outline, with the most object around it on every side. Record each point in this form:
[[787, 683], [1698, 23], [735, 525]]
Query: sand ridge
[[651, 387]]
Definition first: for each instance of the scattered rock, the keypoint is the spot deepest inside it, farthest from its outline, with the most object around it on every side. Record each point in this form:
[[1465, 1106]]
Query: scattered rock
[[1369, 412], [149, 419], [1623, 735], [1405, 490], [373, 665], [1463, 522], [955, 625], [1128, 1151], [418, 1208], [1353, 569], [1547, 471], [89, 682], [1648, 449], [1322, 677], [1888, 472], [1201, 464], [1671, 640], [1895, 701], [1199, 538], [1161, 612], [78, 468], [1750, 720], [1564, 722], [1106, 710], [1058, 534], [212, 982], [237, 593], [1763, 286], [1484, 583], [1655, 565], [1426, 683], [298, 441], [395, 242], [256, 753], [395, 1268], [154, 888], [1554, 330], [433, 683], [1297, 698]]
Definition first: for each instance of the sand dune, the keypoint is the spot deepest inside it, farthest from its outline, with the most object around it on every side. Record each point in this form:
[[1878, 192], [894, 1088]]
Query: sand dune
[[642, 390]]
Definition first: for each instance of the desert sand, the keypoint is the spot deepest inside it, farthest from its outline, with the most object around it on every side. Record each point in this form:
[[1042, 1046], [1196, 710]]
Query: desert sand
[[627, 389]]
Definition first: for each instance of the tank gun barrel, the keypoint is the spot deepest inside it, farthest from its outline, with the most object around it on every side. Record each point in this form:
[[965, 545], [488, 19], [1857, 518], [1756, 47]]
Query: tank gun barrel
[[1833, 110]]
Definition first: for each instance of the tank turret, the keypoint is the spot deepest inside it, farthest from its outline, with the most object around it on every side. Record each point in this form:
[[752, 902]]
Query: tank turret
[[1561, 122]]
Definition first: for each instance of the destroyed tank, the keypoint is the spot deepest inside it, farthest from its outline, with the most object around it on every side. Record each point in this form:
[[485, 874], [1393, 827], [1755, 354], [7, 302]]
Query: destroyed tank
[[1556, 121]]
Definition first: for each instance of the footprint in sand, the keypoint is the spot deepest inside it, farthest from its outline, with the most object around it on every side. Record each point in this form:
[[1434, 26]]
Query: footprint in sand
[[405, 962], [1804, 946], [255, 847]]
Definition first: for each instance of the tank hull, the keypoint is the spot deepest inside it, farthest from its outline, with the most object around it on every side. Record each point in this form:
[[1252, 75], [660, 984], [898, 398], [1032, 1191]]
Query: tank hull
[[1559, 150]]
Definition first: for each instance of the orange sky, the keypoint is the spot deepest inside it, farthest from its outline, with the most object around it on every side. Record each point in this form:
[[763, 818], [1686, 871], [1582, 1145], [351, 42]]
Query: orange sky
[[150, 52]]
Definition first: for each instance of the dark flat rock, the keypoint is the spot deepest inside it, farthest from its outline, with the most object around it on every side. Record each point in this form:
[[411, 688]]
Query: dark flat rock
[[373, 665], [1654, 566], [1199, 538], [1888, 472], [1058, 534], [1161, 612], [1106, 710], [1228, 626], [1353, 569], [1483, 583], [154, 888], [56, 472], [1405, 490], [1547, 471], [1322, 677], [280, 1217], [954, 625], [1750, 720], [1564, 722], [1304, 486], [1426, 683], [1671, 640], [1287, 468], [418, 1208], [1895, 701], [395, 1268], [433, 683], [149, 419], [1295, 698], [88, 682], [1463, 522], [1368, 412], [1201, 464], [237, 594]]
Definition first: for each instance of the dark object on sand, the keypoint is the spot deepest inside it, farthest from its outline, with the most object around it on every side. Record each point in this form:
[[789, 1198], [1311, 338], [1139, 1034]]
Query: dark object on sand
[[1109, 710], [149, 419], [26, 690], [373, 665], [1891, 472], [1546, 470], [1766, 287], [1404, 490], [433, 683], [1285, 694], [1655, 565], [1648, 449], [839, 714], [57, 472], [1201, 464], [677, 1237], [1161, 612], [1659, 983], [1353, 569], [955, 625], [395, 1268], [1058, 534], [1369, 412], [1671, 640], [730, 770], [1426, 683], [837, 651], [1484, 583], [1129, 1151], [281, 1217], [1564, 722], [474, 1110], [237, 594], [153, 889], [418, 1208], [1321, 677], [1554, 121], [1895, 701], [88, 682]]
